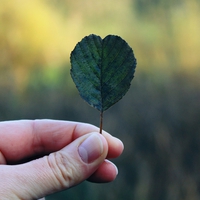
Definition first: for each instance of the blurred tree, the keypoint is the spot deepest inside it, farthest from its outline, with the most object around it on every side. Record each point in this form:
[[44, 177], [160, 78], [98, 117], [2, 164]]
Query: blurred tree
[[31, 34]]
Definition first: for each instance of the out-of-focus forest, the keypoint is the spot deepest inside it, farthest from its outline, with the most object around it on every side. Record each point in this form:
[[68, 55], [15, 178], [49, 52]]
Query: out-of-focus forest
[[159, 118]]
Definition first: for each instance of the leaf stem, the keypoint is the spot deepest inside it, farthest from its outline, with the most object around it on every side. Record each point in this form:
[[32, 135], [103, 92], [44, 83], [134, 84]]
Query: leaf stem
[[101, 122]]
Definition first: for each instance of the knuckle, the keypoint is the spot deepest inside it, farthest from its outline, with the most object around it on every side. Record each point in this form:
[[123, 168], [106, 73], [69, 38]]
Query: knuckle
[[64, 169]]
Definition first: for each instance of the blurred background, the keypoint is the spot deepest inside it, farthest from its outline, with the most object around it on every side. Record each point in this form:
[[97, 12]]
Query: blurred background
[[159, 118]]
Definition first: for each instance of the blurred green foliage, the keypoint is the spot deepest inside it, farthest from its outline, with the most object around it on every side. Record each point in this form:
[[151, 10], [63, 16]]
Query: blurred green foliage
[[158, 120]]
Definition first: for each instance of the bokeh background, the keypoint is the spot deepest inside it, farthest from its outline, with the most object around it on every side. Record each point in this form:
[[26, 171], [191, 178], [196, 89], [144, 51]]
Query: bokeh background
[[159, 118]]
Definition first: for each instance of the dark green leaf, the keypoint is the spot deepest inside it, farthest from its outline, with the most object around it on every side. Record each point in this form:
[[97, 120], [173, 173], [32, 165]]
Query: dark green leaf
[[102, 69]]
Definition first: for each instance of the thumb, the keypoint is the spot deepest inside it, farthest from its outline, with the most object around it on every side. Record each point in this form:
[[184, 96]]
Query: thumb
[[60, 170]]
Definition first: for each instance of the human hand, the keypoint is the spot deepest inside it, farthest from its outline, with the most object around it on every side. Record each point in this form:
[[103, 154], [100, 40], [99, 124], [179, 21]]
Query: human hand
[[68, 153]]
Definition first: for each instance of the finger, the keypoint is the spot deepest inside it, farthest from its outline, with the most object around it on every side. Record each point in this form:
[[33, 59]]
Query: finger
[[26, 138], [107, 172], [21, 139], [115, 145], [60, 170]]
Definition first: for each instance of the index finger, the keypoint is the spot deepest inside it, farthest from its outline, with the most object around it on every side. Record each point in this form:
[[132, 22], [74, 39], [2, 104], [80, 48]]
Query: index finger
[[27, 138]]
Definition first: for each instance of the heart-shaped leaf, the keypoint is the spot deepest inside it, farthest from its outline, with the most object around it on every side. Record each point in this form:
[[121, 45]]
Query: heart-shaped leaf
[[102, 69]]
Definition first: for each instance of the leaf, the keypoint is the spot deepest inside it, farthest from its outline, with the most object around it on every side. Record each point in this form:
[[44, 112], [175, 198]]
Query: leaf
[[102, 69]]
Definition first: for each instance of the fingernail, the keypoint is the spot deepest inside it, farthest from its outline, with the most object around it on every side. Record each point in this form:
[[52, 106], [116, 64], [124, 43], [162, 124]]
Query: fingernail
[[91, 148]]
